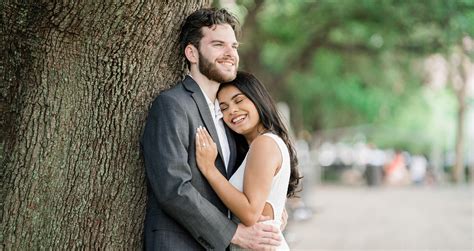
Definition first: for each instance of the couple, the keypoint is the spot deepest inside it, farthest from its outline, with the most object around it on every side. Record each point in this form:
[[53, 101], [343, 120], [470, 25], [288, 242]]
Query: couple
[[190, 153]]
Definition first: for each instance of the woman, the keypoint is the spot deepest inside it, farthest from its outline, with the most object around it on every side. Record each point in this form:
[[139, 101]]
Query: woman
[[268, 173]]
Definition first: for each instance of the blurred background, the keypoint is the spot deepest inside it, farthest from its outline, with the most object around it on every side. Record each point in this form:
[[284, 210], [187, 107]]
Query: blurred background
[[379, 95]]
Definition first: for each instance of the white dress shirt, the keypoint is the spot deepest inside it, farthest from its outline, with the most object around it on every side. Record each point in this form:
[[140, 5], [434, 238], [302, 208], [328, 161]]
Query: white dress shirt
[[216, 115]]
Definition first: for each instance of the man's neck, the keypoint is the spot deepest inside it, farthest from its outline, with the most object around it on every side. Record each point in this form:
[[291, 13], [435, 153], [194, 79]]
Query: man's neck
[[209, 87]]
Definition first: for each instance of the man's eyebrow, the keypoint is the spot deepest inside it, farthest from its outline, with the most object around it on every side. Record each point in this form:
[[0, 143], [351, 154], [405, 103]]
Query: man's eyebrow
[[223, 42], [217, 41]]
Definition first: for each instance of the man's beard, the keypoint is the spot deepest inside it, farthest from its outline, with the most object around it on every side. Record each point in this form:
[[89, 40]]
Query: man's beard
[[208, 69]]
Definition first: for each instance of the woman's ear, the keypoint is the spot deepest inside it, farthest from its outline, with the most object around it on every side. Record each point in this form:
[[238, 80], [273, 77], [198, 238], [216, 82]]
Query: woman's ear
[[191, 54]]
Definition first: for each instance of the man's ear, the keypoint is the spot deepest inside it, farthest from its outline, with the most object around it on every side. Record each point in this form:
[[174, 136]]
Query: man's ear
[[191, 54]]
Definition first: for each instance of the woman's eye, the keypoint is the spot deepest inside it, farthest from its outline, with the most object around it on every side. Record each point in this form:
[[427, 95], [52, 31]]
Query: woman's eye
[[239, 100], [223, 109]]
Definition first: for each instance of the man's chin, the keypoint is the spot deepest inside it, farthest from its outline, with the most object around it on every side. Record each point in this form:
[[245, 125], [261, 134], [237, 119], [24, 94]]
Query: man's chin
[[228, 79], [228, 76], [223, 78]]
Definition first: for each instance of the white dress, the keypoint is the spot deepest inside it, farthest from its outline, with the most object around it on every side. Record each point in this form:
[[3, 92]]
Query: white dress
[[277, 196]]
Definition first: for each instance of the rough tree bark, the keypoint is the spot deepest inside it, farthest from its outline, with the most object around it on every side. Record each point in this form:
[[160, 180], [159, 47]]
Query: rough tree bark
[[77, 80]]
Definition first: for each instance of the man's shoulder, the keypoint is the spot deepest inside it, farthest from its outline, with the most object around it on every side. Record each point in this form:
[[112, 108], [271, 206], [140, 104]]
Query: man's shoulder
[[175, 92], [182, 90], [177, 95], [176, 89]]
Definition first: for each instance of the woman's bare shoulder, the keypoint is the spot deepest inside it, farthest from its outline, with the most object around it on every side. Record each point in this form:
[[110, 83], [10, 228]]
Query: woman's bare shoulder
[[266, 148]]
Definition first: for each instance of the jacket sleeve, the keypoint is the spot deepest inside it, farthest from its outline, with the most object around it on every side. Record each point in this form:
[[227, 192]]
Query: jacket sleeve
[[165, 144]]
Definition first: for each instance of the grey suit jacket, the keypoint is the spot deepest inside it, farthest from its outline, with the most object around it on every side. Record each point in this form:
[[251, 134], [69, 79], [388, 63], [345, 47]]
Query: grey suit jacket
[[183, 212]]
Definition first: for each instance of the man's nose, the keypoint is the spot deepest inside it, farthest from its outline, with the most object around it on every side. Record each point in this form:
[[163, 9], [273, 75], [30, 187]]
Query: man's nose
[[231, 51]]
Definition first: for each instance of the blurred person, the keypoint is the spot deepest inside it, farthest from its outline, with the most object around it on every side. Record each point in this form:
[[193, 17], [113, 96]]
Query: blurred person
[[268, 174], [418, 167], [396, 170], [374, 165], [183, 212]]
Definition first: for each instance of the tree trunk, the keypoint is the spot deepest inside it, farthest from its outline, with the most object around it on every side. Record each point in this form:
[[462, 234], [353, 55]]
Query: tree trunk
[[77, 80], [464, 67], [458, 168]]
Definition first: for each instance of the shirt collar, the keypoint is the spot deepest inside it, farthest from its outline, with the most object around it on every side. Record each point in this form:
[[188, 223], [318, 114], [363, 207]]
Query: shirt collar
[[215, 108]]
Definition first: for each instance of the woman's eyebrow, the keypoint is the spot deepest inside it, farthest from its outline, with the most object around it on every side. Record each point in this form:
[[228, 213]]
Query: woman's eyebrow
[[236, 95], [233, 97]]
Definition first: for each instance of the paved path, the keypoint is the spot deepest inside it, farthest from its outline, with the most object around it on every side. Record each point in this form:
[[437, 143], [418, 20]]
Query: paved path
[[384, 218]]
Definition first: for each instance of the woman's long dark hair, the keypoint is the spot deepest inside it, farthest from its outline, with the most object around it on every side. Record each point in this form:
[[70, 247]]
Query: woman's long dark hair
[[249, 85]]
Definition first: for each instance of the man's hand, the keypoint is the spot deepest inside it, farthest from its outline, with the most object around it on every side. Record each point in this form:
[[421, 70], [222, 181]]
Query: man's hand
[[284, 219], [259, 236]]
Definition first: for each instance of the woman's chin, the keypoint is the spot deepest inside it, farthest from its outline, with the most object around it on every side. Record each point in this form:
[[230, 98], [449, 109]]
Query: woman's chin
[[237, 130]]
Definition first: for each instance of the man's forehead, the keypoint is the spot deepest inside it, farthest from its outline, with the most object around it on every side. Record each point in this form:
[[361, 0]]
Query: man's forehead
[[218, 31], [215, 26]]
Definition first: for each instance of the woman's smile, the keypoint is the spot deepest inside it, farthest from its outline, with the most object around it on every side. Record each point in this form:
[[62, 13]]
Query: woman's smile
[[238, 119], [240, 113]]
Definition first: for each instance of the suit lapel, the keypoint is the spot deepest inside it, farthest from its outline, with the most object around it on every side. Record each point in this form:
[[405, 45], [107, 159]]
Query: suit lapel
[[206, 116], [233, 153]]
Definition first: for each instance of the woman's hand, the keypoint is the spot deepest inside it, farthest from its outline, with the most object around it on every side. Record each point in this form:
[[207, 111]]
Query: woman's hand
[[206, 151]]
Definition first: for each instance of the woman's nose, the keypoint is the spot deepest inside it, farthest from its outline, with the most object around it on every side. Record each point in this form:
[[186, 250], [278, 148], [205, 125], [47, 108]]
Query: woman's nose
[[233, 109]]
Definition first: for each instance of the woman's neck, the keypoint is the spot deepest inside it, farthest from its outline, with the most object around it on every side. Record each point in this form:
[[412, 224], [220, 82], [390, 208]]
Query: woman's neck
[[259, 130]]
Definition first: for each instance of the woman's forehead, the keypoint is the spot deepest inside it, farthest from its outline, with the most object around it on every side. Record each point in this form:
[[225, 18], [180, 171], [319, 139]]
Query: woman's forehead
[[228, 92]]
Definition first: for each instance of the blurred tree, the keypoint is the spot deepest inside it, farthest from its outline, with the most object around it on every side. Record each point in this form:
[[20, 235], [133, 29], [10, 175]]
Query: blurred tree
[[343, 63], [461, 73], [77, 79]]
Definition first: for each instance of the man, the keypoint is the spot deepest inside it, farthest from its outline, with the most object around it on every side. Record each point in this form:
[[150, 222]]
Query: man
[[183, 212]]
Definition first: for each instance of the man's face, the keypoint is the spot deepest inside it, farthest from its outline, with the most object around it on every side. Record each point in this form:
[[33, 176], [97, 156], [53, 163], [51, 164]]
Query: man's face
[[218, 57]]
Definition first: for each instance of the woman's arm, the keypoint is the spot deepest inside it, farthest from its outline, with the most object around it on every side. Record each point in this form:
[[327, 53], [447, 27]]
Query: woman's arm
[[263, 159]]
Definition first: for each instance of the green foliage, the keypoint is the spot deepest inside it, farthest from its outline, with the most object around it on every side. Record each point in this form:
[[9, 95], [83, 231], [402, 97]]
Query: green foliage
[[426, 120], [333, 91], [352, 62]]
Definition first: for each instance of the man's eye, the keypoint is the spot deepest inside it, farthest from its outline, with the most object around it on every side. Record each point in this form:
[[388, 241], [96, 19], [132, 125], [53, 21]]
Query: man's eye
[[223, 109]]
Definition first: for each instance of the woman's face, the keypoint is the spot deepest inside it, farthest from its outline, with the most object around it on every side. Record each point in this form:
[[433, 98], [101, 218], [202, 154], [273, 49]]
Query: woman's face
[[240, 113]]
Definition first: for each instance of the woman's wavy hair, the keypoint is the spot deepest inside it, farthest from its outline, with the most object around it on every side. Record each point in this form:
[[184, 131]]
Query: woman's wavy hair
[[251, 87]]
